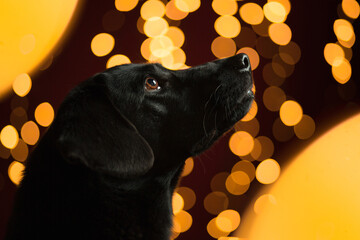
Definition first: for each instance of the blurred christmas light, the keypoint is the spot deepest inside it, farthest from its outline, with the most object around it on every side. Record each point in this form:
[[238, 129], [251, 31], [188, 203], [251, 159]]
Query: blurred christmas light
[[224, 7], [30, 133], [20, 152], [280, 33], [290, 113], [44, 114], [275, 12], [241, 143], [305, 128], [125, 5], [9, 137], [189, 165], [223, 47], [177, 203], [227, 26], [351, 8], [102, 44], [117, 59], [22, 84], [228, 220], [188, 196], [15, 172], [251, 13], [152, 8], [268, 171]]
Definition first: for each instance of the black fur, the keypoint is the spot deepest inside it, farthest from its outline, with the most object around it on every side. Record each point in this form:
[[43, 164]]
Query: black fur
[[108, 165]]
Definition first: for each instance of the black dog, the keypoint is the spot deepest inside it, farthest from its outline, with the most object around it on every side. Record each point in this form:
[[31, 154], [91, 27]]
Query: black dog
[[108, 165]]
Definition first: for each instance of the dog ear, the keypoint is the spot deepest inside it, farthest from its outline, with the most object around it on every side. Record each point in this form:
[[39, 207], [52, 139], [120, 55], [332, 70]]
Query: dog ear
[[94, 133]]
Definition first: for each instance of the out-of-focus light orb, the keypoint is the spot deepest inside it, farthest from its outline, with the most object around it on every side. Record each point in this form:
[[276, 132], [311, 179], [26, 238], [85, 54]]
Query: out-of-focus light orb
[[291, 113], [15, 172], [44, 114], [334, 54], [275, 12], [228, 220], [266, 148], [125, 5], [145, 48], [252, 113], [25, 37], [305, 128], [342, 72], [268, 171], [161, 46], [22, 84], [273, 98], [343, 30], [175, 60], [227, 26], [252, 127], [20, 152], [237, 183], [223, 47], [351, 8], [225, 7], [290, 53], [280, 33], [176, 35], [245, 166], [102, 44], [9, 137], [214, 230], [173, 12], [155, 26], [30, 133], [317, 195], [187, 5], [189, 165], [253, 56], [117, 59], [348, 44], [251, 13], [241, 143], [261, 203], [286, 4], [177, 203], [215, 202], [188, 195], [152, 8], [184, 219]]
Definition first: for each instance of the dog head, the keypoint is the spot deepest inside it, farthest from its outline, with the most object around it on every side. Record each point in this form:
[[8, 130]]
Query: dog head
[[135, 117]]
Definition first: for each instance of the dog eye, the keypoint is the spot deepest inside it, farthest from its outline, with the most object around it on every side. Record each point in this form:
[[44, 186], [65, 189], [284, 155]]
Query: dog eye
[[151, 84]]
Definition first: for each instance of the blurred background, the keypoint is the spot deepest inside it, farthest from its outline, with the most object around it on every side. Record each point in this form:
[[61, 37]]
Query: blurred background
[[289, 170]]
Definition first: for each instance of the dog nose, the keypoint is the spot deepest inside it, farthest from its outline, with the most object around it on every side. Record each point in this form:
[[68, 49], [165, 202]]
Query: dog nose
[[244, 61]]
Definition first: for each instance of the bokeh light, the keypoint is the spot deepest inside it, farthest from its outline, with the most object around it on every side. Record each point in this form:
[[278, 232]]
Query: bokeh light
[[223, 47], [275, 12], [290, 53], [117, 59], [214, 230], [343, 30], [291, 113], [155, 26], [252, 127], [280, 33], [102, 44], [20, 152], [22, 84], [273, 98], [184, 220], [215, 202], [305, 128], [268, 171], [252, 112], [187, 5], [262, 202], [44, 114], [342, 72], [227, 26], [237, 183], [224, 7], [189, 165], [9, 137], [351, 8], [15, 172], [266, 148], [334, 54], [125, 5], [30, 133], [251, 13], [246, 167], [228, 220], [152, 8], [173, 12], [176, 35], [188, 196], [177, 203], [161, 46], [241, 143]]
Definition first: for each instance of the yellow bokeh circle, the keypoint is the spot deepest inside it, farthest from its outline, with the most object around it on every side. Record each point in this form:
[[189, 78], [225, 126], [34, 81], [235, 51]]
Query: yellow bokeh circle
[[187, 5], [241, 143], [343, 30], [342, 72], [227, 26], [155, 26], [15, 172], [224, 7], [125, 5], [44, 114], [223, 47], [280, 33], [152, 8], [334, 54], [117, 59], [251, 13], [102, 44], [177, 203], [228, 220], [275, 12], [351, 8], [290, 113], [30, 133], [268, 171], [22, 84], [9, 137]]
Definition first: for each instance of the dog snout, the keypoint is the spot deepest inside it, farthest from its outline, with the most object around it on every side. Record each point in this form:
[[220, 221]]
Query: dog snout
[[240, 62]]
